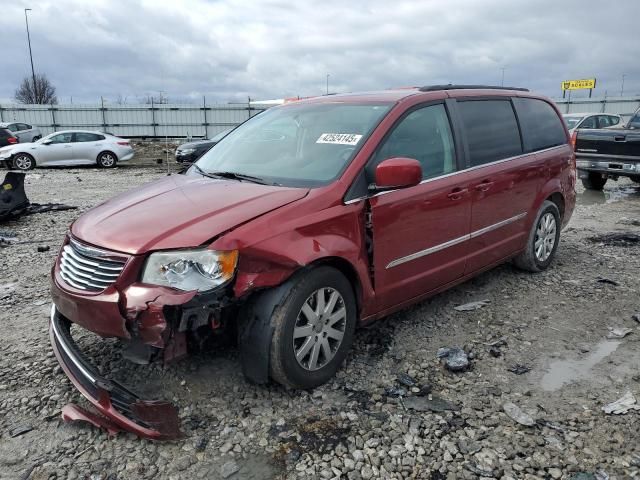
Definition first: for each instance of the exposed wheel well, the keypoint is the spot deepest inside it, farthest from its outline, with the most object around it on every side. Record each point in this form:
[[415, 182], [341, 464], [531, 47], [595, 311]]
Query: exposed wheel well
[[344, 267], [558, 199]]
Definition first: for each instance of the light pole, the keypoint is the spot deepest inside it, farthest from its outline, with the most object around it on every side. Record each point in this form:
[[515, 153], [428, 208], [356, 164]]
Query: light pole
[[502, 82], [33, 72], [327, 84], [622, 87]]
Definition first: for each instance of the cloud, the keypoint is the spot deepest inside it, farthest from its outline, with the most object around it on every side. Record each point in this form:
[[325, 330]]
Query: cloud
[[229, 50]]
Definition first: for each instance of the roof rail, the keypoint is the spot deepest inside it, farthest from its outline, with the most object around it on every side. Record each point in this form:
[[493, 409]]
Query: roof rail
[[450, 86]]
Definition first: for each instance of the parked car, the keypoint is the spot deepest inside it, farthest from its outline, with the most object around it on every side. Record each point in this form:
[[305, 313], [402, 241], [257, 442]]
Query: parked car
[[24, 132], [307, 221], [7, 138], [191, 151], [575, 121], [608, 154], [69, 148]]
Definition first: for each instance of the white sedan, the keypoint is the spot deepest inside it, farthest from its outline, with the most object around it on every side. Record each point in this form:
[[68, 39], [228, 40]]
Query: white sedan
[[68, 148]]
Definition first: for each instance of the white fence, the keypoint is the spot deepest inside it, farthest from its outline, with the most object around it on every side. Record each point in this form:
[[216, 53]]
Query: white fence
[[153, 120], [175, 121]]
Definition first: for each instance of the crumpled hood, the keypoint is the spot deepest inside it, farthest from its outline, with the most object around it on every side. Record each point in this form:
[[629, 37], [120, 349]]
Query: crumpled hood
[[177, 212]]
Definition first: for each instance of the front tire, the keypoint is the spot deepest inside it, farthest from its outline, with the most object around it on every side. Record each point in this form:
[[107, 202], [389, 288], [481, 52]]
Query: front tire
[[313, 329], [24, 162], [543, 240], [107, 160], [594, 181]]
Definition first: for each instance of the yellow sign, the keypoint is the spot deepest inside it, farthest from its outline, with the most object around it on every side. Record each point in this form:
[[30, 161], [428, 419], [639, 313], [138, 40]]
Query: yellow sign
[[579, 84]]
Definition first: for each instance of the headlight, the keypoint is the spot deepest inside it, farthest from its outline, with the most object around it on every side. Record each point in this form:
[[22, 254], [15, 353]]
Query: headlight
[[190, 269], [185, 151]]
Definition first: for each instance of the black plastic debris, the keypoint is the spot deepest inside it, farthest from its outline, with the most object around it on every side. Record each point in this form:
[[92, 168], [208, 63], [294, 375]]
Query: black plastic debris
[[636, 317], [201, 443], [47, 207], [13, 199], [395, 392], [406, 380], [20, 430], [495, 352], [623, 239], [455, 359], [608, 281], [43, 248], [519, 369]]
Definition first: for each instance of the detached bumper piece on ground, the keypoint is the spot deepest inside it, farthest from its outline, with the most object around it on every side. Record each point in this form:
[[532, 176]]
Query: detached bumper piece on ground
[[124, 410]]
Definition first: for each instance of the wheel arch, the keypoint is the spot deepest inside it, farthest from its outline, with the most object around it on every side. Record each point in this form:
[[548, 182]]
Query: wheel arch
[[348, 270], [106, 151]]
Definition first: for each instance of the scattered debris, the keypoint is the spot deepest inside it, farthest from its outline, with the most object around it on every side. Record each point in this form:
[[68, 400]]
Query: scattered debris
[[406, 380], [516, 414], [519, 369], [619, 332], [608, 281], [43, 248], [583, 476], [426, 404], [201, 443], [73, 413], [455, 359], [495, 352], [624, 239], [601, 475], [636, 317], [13, 199], [467, 307], [623, 405], [20, 430], [395, 392], [47, 207], [546, 423]]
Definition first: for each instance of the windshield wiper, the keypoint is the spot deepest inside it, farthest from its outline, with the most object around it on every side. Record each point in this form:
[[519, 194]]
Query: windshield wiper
[[202, 172], [239, 176]]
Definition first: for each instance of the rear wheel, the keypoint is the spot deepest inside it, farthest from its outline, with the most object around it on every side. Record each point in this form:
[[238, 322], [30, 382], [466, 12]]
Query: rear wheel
[[595, 181], [543, 240], [36, 138], [24, 161], [635, 179], [107, 160], [313, 329]]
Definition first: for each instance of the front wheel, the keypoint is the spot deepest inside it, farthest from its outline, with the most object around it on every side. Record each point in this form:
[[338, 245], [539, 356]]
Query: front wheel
[[24, 161], [594, 181], [543, 240], [313, 329], [107, 160]]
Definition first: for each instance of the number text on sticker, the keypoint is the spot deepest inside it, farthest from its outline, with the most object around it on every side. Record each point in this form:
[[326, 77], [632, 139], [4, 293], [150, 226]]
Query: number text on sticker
[[339, 138]]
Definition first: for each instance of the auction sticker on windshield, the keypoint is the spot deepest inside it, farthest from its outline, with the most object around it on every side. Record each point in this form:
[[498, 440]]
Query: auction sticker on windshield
[[339, 138]]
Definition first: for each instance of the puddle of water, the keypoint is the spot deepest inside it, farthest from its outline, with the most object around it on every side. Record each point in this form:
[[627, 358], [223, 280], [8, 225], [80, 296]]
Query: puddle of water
[[616, 194], [562, 372]]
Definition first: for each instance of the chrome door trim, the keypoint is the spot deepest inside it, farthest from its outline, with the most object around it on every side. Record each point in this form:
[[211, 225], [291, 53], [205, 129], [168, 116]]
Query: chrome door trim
[[455, 241], [495, 226], [457, 172]]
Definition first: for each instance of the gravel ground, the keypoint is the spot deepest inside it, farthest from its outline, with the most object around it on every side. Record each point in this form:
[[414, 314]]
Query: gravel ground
[[393, 411]]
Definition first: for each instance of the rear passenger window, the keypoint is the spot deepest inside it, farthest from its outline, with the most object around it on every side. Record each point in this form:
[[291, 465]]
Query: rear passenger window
[[424, 135], [541, 125], [491, 129], [88, 137]]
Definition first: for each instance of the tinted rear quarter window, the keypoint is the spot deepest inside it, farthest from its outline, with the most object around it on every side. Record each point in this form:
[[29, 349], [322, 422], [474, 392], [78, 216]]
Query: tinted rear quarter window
[[88, 137], [541, 125], [491, 130]]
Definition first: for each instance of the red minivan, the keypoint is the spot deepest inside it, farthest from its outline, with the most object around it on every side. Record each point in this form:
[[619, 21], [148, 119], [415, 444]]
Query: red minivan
[[306, 221]]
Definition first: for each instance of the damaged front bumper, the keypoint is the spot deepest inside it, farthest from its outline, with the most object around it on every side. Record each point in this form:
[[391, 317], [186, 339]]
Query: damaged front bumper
[[150, 419]]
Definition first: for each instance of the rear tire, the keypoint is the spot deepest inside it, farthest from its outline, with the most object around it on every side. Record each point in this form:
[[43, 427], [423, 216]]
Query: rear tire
[[36, 138], [306, 348], [543, 240], [107, 160], [594, 181], [635, 179], [24, 162]]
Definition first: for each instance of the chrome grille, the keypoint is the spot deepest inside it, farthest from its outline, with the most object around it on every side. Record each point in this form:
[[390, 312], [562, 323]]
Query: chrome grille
[[89, 268]]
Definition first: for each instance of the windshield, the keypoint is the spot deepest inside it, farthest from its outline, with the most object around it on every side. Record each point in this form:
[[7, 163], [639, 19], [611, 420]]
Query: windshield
[[297, 145], [572, 121], [220, 136]]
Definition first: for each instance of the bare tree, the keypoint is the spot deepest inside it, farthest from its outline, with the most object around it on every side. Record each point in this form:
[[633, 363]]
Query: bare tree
[[43, 93]]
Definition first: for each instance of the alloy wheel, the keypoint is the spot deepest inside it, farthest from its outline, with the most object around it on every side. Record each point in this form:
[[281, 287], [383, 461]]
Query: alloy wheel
[[22, 162], [319, 328], [107, 160], [545, 237]]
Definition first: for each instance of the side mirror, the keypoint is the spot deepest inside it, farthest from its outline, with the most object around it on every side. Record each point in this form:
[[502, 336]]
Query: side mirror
[[398, 172], [46, 142]]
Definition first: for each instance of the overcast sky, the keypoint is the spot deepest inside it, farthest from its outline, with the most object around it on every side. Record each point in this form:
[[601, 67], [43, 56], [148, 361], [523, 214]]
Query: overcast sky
[[231, 49]]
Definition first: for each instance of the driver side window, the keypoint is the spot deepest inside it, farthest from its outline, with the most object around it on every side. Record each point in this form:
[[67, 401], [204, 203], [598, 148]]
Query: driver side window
[[424, 135]]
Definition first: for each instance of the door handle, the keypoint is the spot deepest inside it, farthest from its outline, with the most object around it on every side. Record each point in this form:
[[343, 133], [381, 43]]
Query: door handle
[[619, 138], [457, 193], [484, 186]]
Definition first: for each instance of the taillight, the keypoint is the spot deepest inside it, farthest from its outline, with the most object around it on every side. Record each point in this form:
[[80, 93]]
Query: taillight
[[126, 144], [12, 140], [574, 138]]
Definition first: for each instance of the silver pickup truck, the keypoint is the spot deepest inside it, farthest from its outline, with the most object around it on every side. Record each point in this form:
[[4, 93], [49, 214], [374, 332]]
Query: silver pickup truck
[[604, 154]]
